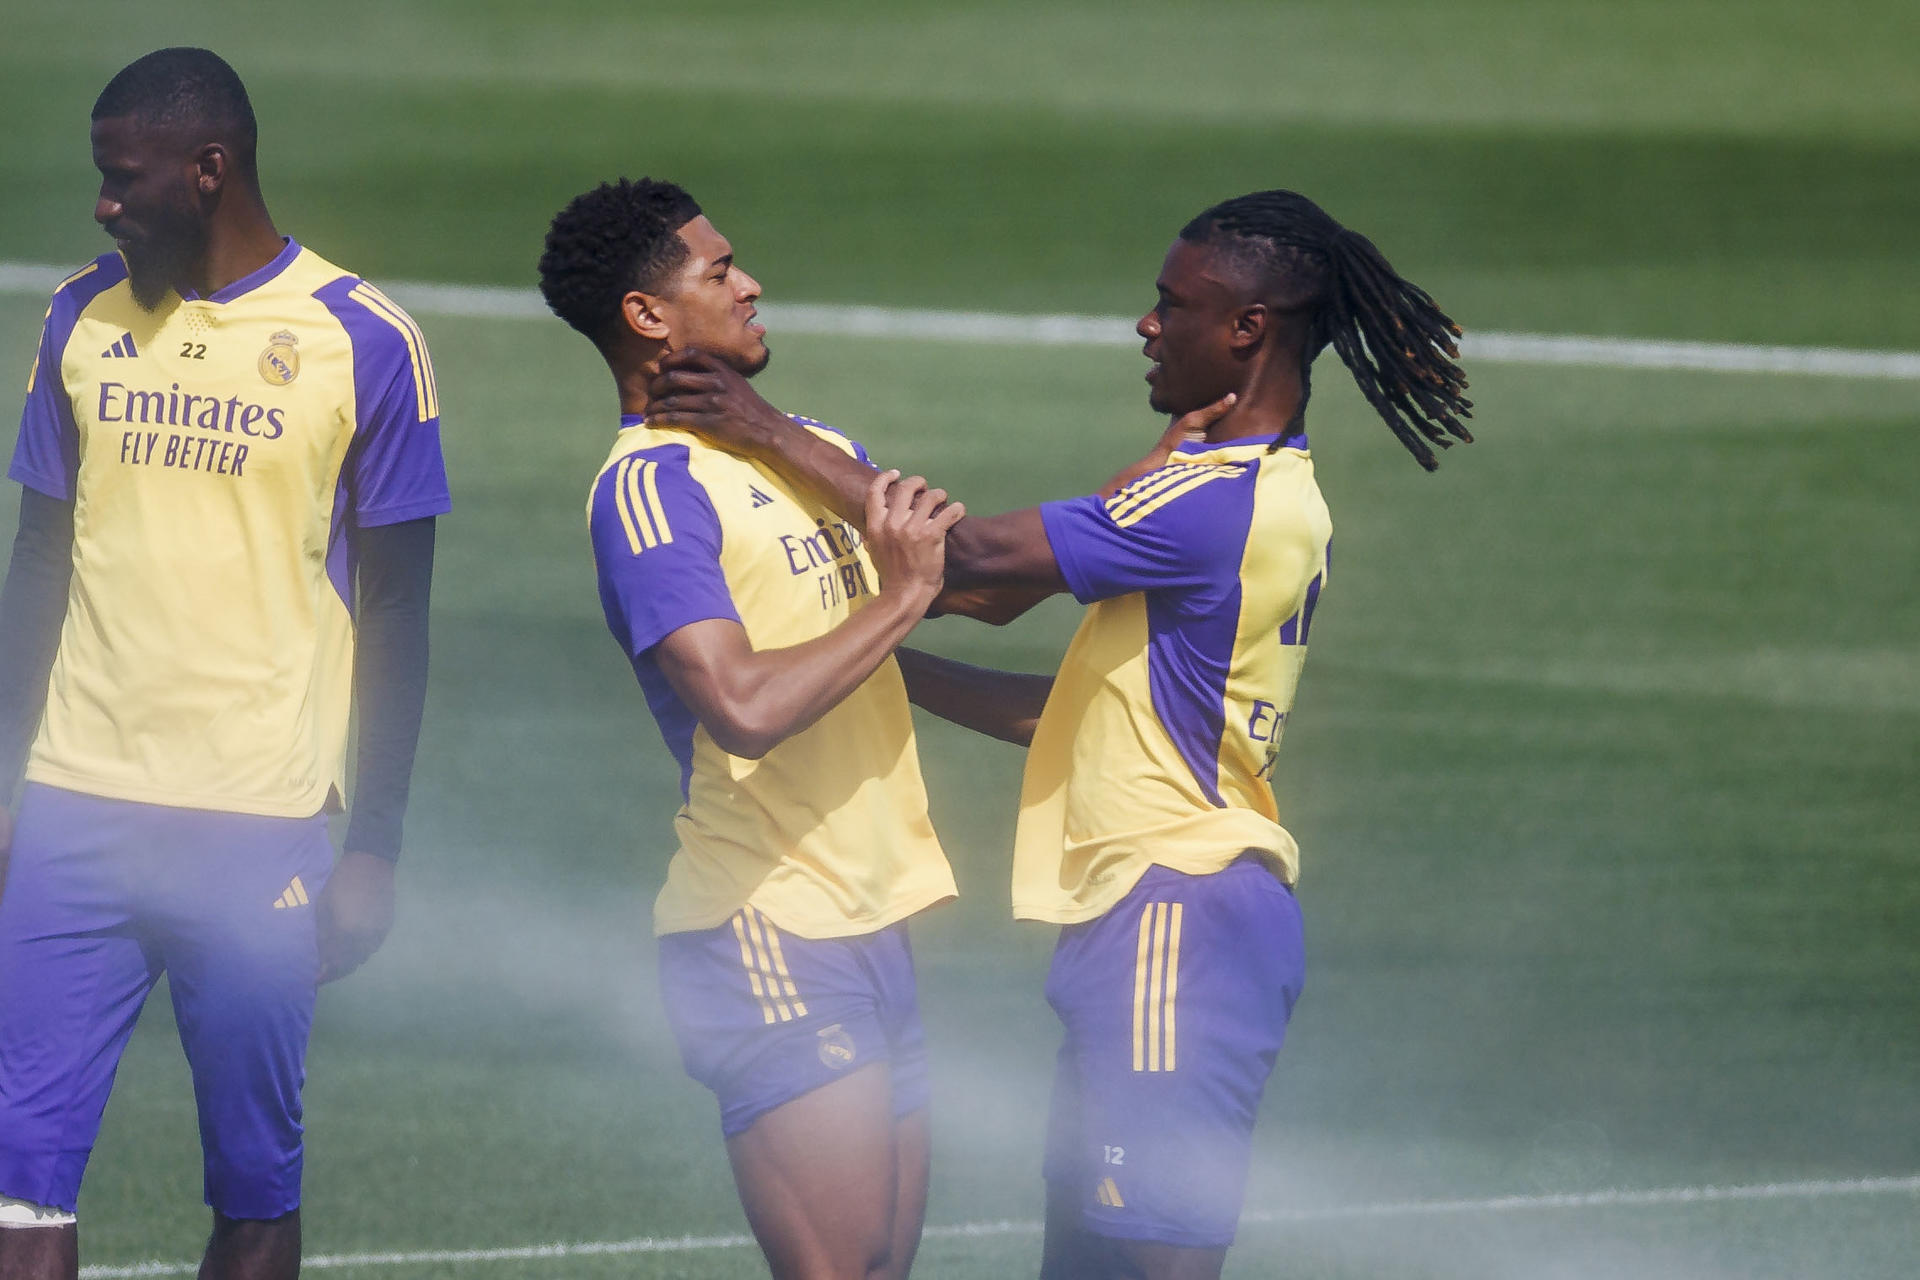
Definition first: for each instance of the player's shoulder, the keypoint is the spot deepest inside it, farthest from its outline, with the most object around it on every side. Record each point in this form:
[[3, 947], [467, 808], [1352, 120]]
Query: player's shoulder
[[80, 288], [1186, 484], [359, 305], [643, 458], [833, 435]]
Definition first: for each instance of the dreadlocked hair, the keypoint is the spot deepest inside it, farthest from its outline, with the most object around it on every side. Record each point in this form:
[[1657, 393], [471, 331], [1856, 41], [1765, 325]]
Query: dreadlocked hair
[[1392, 337]]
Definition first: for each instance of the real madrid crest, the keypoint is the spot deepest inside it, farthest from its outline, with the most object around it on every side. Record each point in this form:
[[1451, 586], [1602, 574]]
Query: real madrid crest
[[836, 1047], [280, 362]]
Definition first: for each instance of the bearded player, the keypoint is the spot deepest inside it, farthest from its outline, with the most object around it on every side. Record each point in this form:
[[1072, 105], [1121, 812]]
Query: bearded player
[[1148, 829], [230, 455], [761, 627]]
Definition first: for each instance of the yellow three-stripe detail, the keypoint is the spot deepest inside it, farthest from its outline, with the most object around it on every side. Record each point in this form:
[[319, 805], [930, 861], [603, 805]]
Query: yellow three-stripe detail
[[1156, 985], [636, 495], [426, 394], [1162, 497], [766, 967]]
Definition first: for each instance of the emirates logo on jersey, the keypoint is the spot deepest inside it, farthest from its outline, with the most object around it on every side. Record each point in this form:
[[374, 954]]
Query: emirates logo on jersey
[[280, 362]]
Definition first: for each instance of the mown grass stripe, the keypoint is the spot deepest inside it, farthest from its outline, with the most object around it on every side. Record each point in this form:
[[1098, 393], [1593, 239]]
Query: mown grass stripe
[[501, 303]]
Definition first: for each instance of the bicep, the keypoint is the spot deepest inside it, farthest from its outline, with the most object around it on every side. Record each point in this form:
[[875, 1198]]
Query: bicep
[[1010, 550], [702, 661]]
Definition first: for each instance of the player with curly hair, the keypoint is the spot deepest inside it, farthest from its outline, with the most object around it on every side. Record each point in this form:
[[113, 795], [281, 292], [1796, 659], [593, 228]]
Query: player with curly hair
[[761, 627]]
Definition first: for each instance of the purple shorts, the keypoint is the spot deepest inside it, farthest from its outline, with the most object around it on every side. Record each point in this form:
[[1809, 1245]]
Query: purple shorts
[[1175, 1003], [102, 897], [763, 1017]]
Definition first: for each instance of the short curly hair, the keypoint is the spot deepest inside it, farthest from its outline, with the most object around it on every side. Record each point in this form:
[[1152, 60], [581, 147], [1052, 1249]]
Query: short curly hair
[[620, 236]]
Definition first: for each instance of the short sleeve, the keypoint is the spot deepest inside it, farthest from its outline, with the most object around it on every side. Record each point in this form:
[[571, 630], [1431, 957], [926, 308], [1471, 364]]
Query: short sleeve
[[46, 457], [1181, 526], [394, 470], [656, 546]]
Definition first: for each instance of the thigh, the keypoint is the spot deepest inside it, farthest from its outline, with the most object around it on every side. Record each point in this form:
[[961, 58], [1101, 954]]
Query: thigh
[[817, 1177], [74, 972], [763, 1017], [239, 932], [1175, 1005]]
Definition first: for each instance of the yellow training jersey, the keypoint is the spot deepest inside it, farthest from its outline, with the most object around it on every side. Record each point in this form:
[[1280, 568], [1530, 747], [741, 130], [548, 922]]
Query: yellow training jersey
[[827, 835], [1158, 740], [217, 451]]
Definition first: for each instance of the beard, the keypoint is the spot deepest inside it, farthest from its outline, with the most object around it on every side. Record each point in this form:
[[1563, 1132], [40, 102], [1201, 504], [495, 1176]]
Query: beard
[[747, 364], [162, 255]]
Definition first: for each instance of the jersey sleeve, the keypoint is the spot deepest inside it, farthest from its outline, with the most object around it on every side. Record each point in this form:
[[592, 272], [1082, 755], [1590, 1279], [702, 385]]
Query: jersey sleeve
[[46, 457], [656, 546], [1180, 526], [394, 469]]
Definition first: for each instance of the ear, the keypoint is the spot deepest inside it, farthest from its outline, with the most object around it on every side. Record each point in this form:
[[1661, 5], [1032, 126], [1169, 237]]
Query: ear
[[1247, 327], [211, 167], [641, 313]]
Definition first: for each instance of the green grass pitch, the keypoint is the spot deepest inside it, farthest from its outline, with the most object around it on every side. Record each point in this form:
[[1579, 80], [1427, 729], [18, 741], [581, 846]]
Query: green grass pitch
[[1604, 766]]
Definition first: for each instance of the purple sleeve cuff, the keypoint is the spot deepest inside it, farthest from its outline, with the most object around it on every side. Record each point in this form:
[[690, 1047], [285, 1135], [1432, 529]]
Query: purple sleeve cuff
[[1058, 519]]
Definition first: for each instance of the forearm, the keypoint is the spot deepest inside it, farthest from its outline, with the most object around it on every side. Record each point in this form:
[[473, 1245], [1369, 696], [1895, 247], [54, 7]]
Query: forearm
[[995, 606], [390, 678], [1001, 704], [1005, 551], [805, 459], [750, 702], [33, 608]]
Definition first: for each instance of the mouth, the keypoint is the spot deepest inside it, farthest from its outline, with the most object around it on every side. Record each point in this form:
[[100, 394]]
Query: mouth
[[1153, 371], [755, 328]]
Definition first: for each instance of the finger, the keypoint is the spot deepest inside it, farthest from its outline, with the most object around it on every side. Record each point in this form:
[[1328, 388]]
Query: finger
[[948, 516], [687, 358], [682, 380], [928, 502], [903, 494], [877, 497], [1196, 423]]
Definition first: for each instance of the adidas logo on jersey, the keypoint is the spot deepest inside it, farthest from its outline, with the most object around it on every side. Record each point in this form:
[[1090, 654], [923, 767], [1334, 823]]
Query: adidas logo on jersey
[[759, 499], [121, 350], [295, 896]]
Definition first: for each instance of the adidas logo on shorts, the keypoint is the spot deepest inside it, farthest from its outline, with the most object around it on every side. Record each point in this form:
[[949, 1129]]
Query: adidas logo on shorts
[[295, 896]]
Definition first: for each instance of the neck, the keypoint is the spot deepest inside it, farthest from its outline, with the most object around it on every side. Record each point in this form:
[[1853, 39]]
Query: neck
[[1270, 401], [631, 379], [241, 240]]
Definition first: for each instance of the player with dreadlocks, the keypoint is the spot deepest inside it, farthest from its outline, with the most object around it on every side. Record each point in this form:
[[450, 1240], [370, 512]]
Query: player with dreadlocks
[[1148, 829]]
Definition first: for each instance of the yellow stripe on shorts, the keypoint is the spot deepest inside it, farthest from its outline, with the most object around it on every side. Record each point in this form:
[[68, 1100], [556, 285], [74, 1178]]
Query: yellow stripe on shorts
[[1156, 985]]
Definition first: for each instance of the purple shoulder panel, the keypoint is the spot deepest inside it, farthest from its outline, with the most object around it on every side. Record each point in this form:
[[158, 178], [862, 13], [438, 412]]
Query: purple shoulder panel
[[394, 469], [656, 551], [46, 457], [859, 450]]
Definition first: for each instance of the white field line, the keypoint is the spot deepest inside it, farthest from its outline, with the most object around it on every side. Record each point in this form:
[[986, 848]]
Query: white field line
[[499, 303], [1611, 1199]]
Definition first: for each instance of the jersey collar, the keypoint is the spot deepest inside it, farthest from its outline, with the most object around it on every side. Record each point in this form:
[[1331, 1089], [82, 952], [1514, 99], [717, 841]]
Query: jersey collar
[[1296, 441], [254, 279]]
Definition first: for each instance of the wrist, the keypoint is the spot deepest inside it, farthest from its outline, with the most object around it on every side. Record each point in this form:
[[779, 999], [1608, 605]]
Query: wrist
[[910, 596]]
